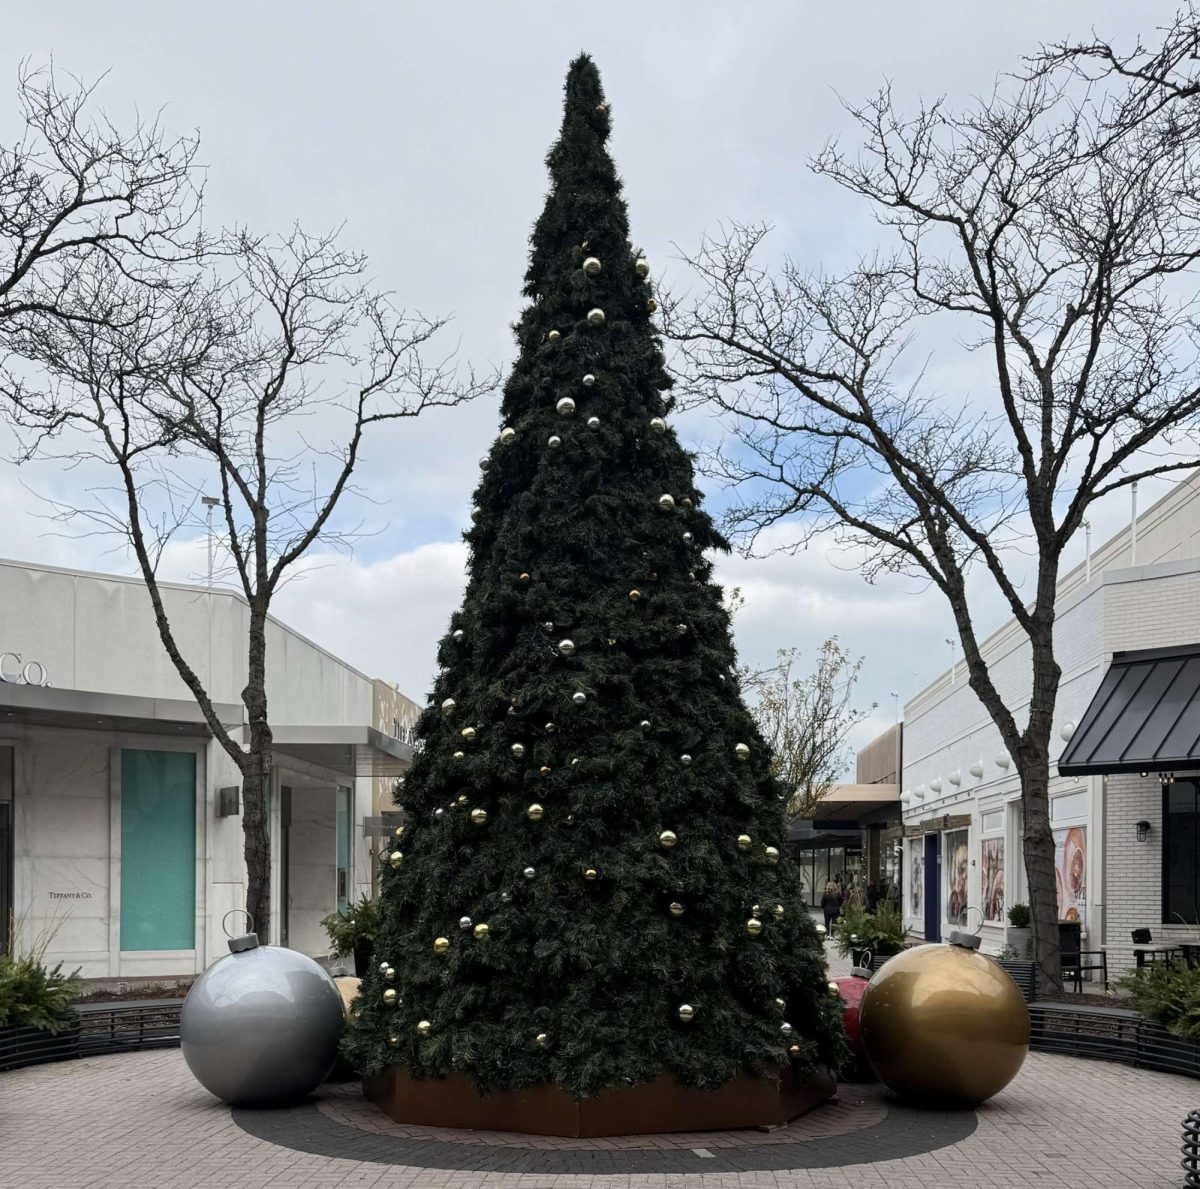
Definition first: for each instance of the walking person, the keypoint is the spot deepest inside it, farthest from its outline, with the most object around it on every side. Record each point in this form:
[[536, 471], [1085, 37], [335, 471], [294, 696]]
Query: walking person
[[831, 904]]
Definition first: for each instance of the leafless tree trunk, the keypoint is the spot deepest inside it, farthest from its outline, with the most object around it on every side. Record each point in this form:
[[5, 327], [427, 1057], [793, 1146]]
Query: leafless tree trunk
[[214, 381], [1056, 223]]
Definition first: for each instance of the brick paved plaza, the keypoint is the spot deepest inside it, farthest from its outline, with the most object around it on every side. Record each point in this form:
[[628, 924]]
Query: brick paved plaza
[[140, 1120]]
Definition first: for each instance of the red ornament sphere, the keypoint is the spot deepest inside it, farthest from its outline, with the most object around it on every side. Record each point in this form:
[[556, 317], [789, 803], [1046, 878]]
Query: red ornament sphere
[[852, 989]]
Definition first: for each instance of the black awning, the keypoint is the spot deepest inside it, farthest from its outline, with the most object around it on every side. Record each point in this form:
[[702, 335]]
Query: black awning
[[1145, 717]]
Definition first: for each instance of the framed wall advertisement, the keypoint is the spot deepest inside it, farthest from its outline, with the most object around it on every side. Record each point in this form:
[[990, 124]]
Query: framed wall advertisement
[[916, 877], [954, 864], [992, 874], [1070, 873]]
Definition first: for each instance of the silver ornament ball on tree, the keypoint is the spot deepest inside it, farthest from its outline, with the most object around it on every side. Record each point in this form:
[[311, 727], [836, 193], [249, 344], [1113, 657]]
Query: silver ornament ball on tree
[[589, 380], [508, 435], [687, 1012], [591, 266], [579, 698], [593, 423], [261, 1025], [595, 317], [658, 425], [666, 501], [641, 266], [554, 441], [565, 407], [566, 647], [449, 706]]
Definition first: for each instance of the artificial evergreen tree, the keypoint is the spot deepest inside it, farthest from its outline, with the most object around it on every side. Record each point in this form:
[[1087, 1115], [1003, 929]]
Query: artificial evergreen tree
[[590, 888]]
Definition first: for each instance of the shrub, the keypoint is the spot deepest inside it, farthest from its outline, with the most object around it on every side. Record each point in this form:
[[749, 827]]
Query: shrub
[[1167, 994], [1018, 916], [882, 932], [351, 926], [34, 996]]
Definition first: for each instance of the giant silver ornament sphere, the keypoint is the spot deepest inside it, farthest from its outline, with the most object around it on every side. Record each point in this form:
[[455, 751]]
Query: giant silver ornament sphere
[[261, 1025]]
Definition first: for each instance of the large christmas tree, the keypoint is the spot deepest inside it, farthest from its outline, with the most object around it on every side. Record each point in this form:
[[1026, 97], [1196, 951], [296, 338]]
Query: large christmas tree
[[590, 889]]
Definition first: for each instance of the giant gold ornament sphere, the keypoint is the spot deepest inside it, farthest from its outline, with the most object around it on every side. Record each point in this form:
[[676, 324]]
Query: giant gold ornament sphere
[[565, 407], [945, 1025], [479, 817], [481, 930], [667, 839], [595, 317], [396, 858], [535, 812], [508, 435], [390, 996], [448, 707], [518, 750], [593, 423], [687, 1013], [666, 501], [744, 841], [754, 926], [641, 266], [742, 751], [591, 266], [424, 1027], [441, 945], [675, 908], [566, 647]]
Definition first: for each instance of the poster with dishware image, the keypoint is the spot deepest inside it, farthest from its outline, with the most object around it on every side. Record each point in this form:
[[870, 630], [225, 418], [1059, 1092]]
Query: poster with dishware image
[[954, 845], [1070, 872], [993, 879]]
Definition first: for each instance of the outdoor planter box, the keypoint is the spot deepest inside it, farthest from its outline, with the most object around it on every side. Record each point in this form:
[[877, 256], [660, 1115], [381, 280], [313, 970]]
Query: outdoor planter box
[[1162, 1050], [21, 1046]]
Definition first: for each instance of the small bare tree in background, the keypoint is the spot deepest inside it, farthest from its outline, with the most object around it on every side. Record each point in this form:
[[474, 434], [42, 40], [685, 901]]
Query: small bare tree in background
[[73, 186], [807, 719], [260, 375], [1048, 239]]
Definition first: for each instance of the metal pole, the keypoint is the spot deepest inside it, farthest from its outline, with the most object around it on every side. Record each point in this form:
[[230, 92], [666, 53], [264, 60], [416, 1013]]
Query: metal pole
[[210, 503], [953, 675], [1133, 523], [1087, 551]]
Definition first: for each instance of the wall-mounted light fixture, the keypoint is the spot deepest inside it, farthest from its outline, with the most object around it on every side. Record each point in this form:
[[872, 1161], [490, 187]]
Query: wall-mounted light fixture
[[1143, 830]]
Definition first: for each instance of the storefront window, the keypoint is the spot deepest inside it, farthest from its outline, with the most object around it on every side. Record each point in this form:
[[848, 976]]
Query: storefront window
[[158, 850], [954, 863], [1181, 851]]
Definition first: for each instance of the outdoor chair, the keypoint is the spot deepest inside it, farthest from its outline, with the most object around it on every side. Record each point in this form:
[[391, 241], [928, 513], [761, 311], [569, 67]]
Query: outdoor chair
[[1076, 961], [1146, 950]]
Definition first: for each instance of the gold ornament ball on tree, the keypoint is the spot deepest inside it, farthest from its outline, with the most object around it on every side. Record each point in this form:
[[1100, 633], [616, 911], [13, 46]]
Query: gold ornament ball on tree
[[685, 758], [393, 1042], [553, 336], [541, 1040], [635, 595], [448, 707], [591, 266], [398, 832], [545, 770], [468, 733], [652, 305], [754, 926], [944, 1025], [535, 813], [772, 854], [566, 647], [441, 945], [579, 698], [658, 425], [785, 1028], [481, 930], [458, 635], [687, 1013], [554, 441], [396, 858], [424, 1027], [781, 1004], [667, 839], [641, 266], [676, 909], [462, 799], [589, 380], [666, 501], [518, 750], [756, 911], [508, 435], [524, 578], [479, 817], [744, 841], [390, 996], [795, 1050], [590, 873], [593, 423], [595, 317], [742, 751], [778, 912], [565, 407], [459, 756]]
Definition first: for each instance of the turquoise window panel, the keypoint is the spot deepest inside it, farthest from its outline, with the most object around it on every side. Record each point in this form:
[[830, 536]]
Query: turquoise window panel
[[158, 850]]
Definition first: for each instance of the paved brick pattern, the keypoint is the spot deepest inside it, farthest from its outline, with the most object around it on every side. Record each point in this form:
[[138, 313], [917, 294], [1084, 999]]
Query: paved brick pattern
[[138, 1120]]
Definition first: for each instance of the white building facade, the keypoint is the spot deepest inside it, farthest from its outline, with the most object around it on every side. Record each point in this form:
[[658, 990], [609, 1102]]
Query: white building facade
[[120, 829], [960, 792]]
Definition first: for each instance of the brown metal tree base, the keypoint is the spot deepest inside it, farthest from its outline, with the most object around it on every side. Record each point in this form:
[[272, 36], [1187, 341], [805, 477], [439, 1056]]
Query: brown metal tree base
[[664, 1105]]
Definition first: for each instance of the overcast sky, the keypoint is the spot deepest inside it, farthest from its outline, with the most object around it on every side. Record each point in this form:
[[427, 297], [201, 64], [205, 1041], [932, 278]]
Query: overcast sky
[[423, 127]]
